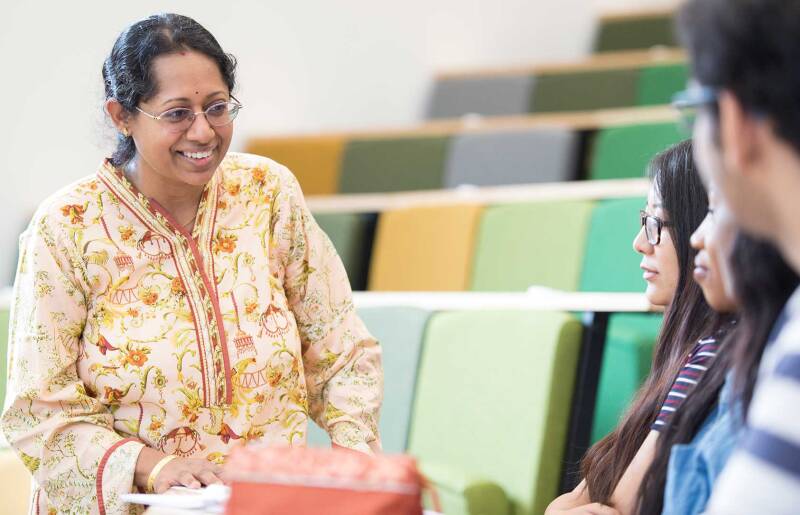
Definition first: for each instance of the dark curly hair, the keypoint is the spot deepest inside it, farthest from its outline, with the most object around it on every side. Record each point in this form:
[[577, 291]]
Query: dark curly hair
[[127, 71]]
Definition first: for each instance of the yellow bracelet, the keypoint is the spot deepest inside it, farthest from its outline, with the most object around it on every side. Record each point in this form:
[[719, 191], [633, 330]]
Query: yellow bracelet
[[151, 479]]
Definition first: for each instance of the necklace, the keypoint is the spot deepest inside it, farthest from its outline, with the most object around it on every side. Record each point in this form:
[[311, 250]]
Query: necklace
[[189, 225]]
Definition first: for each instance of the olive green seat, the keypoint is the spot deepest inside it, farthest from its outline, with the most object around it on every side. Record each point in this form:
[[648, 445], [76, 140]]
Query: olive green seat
[[400, 331], [658, 84], [635, 33], [492, 407], [351, 235], [584, 91], [393, 164], [524, 245], [623, 152]]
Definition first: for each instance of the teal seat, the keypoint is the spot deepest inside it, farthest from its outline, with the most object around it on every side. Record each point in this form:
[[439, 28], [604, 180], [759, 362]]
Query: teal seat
[[584, 91], [400, 332], [635, 33], [626, 362], [352, 235], [611, 265], [539, 243], [493, 402], [658, 84], [623, 152], [393, 164]]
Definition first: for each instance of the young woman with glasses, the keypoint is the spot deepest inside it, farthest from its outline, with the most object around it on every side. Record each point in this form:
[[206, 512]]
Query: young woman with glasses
[[179, 302], [613, 468]]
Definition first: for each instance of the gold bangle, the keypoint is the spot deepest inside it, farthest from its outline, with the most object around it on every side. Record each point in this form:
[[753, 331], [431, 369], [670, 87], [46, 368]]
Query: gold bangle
[[151, 479]]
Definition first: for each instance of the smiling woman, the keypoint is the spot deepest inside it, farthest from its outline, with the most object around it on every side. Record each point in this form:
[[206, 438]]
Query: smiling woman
[[179, 302]]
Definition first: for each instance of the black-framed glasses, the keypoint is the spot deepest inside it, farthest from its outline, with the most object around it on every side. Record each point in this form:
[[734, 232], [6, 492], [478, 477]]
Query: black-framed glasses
[[180, 119], [652, 227], [689, 101]]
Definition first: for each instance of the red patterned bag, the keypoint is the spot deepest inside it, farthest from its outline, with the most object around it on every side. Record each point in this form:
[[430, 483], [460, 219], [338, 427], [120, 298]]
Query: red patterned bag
[[305, 481]]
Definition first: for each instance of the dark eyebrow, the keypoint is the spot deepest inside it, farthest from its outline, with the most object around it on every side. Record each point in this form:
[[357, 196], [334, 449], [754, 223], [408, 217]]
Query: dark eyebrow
[[184, 99]]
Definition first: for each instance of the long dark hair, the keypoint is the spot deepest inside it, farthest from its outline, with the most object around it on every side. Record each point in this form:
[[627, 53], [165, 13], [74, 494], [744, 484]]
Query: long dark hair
[[685, 202], [763, 284], [127, 71]]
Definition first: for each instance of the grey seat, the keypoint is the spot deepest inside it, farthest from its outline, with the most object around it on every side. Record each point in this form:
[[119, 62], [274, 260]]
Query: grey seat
[[489, 96], [512, 157]]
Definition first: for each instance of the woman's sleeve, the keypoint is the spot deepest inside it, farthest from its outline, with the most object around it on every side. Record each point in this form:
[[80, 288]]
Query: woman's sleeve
[[64, 436], [342, 360]]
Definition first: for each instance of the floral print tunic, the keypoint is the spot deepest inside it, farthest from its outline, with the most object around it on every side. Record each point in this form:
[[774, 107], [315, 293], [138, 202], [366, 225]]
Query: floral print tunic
[[128, 331]]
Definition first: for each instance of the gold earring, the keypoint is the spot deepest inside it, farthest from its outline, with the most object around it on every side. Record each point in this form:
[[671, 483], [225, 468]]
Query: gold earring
[[126, 132]]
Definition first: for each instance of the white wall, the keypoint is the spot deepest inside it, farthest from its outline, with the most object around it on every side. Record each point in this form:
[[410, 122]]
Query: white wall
[[304, 65]]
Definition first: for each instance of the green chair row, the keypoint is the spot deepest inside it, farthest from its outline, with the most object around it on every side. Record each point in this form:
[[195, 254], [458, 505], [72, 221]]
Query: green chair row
[[486, 410], [568, 245], [325, 166], [636, 32], [548, 92]]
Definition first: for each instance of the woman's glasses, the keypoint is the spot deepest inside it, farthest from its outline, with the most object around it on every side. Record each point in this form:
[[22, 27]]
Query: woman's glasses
[[652, 227], [180, 119]]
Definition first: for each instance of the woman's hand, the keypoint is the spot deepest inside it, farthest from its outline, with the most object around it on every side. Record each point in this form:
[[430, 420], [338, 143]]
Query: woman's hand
[[192, 473]]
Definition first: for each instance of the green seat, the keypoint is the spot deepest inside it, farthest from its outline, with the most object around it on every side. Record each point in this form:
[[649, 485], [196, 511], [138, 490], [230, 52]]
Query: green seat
[[393, 164], [658, 84], [584, 91], [623, 152], [492, 408], [3, 351], [626, 363], [400, 332], [352, 235], [635, 33], [522, 245], [610, 264]]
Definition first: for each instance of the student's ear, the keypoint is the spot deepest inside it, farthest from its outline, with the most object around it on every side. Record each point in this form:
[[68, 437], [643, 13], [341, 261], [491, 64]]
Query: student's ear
[[740, 134], [119, 116]]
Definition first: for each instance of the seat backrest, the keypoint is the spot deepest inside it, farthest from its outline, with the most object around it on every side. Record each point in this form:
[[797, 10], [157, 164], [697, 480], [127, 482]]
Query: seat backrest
[[351, 235], [315, 161], [489, 96], [585, 90], [623, 152], [393, 164], [635, 33], [540, 243], [512, 157], [658, 84], [400, 331], [630, 339], [610, 263], [424, 248], [493, 399]]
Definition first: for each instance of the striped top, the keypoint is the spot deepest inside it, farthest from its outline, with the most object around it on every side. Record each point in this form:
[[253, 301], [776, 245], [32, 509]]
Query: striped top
[[697, 363], [763, 474]]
